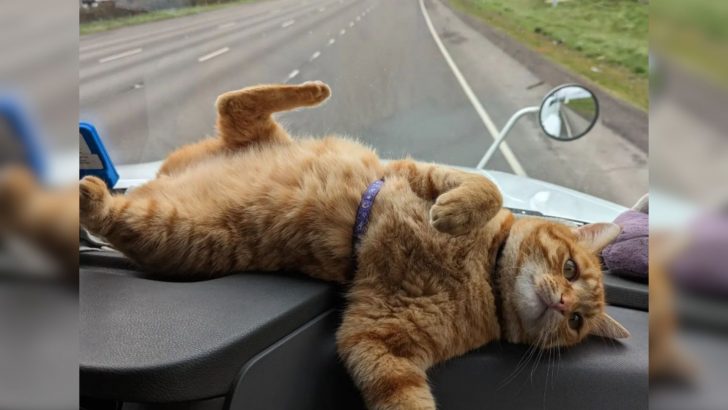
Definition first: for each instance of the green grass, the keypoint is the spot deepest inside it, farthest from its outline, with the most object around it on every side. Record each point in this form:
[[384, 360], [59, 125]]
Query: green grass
[[605, 41], [157, 15]]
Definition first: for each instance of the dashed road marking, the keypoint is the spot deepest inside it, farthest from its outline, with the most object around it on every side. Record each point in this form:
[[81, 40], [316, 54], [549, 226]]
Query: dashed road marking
[[487, 121], [292, 75], [358, 18], [331, 41], [213, 54], [322, 9], [351, 24], [120, 55], [226, 25], [314, 56], [342, 32], [287, 23]]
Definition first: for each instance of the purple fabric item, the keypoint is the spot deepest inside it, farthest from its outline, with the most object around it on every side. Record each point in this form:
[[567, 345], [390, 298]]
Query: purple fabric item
[[627, 254], [703, 264], [365, 208]]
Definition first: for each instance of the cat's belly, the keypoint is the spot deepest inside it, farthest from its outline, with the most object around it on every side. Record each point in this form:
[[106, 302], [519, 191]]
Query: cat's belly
[[287, 207]]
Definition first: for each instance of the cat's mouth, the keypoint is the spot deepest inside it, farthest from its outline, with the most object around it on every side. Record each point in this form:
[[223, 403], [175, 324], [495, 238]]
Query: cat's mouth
[[546, 306], [546, 300], [534, 300]]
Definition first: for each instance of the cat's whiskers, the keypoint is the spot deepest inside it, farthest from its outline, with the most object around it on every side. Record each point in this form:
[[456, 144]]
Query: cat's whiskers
[[541, 343], [553, 336], [546, 383], [522, 364], [558, 363], [525, 358]]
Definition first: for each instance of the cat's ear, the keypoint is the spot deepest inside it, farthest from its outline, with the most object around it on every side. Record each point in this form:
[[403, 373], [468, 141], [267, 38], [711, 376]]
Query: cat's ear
[[597, 235], [604, 326]]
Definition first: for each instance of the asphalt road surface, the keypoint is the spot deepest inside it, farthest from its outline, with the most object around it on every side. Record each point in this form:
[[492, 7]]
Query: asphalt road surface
[[151, 88]]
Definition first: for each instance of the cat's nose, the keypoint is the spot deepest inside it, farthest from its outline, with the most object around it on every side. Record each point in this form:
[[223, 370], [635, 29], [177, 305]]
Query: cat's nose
[[562, 305]]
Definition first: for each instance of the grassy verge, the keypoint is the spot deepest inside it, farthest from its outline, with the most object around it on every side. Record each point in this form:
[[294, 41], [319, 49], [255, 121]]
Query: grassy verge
[[605, 41], [157, 15]]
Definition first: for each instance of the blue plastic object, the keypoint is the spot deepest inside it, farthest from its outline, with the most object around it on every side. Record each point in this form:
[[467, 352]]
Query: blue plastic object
[[21, 128], [93, 158]]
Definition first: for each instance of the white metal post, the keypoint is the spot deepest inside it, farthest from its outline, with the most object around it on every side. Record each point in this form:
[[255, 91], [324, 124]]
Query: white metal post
[[504, 133]]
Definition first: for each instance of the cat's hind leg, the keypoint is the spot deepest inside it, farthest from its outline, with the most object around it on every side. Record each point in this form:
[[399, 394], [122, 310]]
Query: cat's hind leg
[[113, 216], [138, 226], [165, 235], [94, 203], [245, 116]]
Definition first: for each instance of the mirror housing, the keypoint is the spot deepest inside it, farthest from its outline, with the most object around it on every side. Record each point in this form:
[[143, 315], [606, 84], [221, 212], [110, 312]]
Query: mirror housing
[[568, 112]]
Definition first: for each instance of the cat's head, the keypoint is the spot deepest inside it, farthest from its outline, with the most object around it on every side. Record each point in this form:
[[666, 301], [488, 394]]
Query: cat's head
[[551, 283]]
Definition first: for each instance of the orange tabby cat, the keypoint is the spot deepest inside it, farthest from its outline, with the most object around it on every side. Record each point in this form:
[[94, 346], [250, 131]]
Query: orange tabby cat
[[438, 251]]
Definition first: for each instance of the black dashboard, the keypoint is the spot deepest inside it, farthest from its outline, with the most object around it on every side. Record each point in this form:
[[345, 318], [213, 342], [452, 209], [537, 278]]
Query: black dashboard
[[266, 341]]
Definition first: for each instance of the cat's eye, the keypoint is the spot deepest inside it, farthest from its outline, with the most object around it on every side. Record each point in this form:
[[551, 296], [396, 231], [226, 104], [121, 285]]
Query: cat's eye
[[576, 321], [571, 271]]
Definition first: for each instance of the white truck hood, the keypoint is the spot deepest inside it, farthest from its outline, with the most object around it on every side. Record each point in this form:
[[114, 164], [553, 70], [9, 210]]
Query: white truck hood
[[550, 199]]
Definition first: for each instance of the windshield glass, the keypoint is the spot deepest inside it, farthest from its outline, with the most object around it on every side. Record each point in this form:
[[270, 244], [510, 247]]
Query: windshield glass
[[428, 79]]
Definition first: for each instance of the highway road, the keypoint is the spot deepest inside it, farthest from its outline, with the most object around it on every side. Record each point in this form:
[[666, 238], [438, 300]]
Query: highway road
[[408, 77]]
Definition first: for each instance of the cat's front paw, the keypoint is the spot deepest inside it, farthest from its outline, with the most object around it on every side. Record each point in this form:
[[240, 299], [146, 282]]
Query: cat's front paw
[[454, 215]]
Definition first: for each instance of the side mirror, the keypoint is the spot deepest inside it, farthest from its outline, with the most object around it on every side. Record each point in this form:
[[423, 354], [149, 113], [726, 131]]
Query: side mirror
[[568, 112]]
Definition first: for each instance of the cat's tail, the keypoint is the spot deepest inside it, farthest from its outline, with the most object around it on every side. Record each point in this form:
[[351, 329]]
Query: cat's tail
[[245, 116]]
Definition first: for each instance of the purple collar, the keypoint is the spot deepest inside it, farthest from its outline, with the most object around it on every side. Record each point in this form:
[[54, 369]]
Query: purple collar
[[362, 215]]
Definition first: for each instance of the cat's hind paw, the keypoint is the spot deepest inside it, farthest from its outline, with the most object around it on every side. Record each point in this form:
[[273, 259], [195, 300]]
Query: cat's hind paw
[[93, 196], [314, 92]]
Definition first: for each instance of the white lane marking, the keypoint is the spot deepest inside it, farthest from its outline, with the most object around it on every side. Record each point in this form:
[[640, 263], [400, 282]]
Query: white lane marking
[[358, 18], [287, 23], [292, 75], [342, 32], [331, 41], [213, 54], [120, 55], [351, 24], [322, 9], [487, 121], [315, 56], [226, 25]]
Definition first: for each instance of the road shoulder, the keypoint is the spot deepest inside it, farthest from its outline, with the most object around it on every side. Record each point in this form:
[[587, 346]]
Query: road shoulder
[[620, 116]]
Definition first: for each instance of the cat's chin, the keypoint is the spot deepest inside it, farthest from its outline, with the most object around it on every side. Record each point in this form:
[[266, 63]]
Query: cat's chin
[[532, 309]]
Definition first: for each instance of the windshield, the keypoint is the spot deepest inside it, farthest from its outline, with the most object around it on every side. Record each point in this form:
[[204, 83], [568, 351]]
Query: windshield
[[420, 78]]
